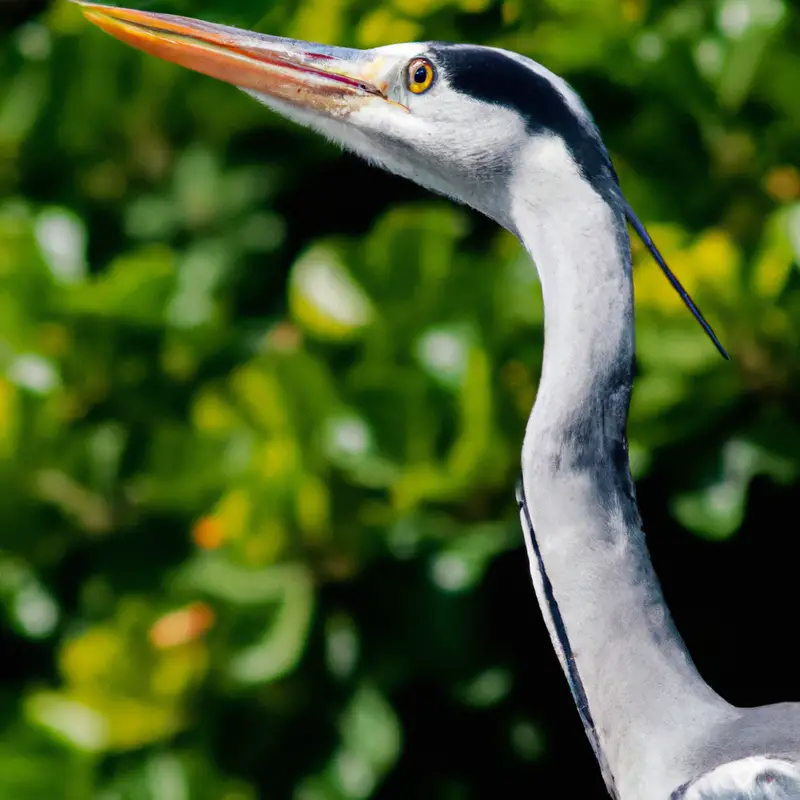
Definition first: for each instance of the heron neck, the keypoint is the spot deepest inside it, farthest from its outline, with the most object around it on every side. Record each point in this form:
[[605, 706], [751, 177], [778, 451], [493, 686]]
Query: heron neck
[[643, 700]]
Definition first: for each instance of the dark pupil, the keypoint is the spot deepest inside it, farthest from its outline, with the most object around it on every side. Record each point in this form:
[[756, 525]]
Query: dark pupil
[[421, 75]]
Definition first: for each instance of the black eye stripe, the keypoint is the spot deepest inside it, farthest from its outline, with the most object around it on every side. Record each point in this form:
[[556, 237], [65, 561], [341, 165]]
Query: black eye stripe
[[493, 77]]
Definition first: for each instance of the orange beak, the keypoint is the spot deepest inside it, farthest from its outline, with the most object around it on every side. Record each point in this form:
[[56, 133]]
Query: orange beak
[[333, 80]]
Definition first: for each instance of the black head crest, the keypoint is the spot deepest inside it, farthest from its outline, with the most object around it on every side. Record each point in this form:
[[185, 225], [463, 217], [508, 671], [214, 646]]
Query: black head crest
[[672, 278]]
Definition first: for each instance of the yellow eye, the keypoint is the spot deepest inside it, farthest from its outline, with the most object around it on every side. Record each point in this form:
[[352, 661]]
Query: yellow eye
[[420, 75]]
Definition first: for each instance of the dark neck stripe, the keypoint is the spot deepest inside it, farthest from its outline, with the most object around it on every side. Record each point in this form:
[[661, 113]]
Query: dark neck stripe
[[573, 676], [493, 77]]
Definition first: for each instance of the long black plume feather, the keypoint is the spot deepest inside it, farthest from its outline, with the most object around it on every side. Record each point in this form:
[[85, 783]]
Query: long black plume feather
[[672, 278]]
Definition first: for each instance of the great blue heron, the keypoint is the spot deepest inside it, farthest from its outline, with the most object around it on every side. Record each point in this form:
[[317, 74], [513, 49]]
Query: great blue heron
[[500, 133]]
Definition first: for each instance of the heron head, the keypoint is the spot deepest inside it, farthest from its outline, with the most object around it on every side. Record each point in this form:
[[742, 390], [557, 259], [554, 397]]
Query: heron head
[[453, 118], [484, 126]]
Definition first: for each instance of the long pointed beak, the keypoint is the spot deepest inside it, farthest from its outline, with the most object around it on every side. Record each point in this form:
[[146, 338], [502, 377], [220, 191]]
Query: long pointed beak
[[333, 80]]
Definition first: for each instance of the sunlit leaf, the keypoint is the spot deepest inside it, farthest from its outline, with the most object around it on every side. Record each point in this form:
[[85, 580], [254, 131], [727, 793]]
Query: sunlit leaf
[[324, 298], [72, 721], [773, 265], [281, 645], [61, 236]]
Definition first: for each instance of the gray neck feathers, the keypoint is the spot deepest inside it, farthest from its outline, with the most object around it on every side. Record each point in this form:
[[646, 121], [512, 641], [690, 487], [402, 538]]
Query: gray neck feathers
[[606, 615]]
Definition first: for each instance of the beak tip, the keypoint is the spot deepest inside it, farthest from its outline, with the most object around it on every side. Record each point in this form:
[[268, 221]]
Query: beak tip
[[92, 11], [285, 69]]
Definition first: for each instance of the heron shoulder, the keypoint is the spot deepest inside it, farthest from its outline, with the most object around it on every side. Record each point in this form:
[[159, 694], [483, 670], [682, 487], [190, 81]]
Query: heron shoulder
[[752, 778]]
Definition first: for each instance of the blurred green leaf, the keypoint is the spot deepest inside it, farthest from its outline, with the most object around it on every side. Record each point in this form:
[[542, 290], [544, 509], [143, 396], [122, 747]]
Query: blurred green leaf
[[135, 289], [716, 510], [371, 743]]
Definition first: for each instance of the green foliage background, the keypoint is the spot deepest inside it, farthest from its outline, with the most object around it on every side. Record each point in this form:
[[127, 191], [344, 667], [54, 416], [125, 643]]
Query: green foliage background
[[258, 443]]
